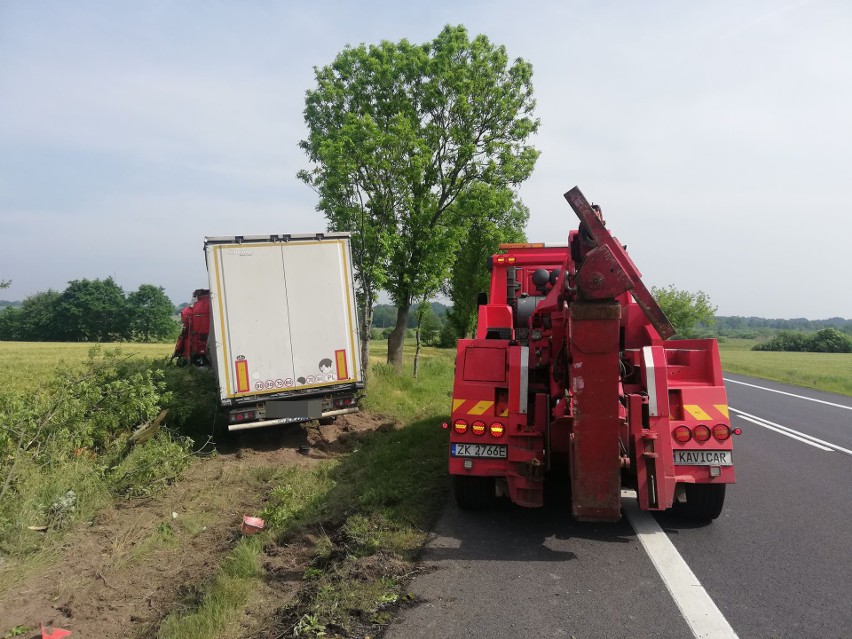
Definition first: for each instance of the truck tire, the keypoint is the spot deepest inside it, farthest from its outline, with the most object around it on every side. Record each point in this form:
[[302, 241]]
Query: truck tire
[[703, 502], [474, 493]]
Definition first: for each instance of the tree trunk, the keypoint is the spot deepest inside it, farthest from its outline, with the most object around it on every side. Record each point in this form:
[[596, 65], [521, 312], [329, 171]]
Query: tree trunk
[[396, 339], [366, 333], [417, 336]]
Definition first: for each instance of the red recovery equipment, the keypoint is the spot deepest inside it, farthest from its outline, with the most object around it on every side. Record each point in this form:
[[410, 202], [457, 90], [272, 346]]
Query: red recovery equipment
[[191, 346], [572, 372]]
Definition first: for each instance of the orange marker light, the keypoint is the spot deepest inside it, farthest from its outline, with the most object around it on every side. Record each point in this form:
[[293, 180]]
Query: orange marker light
[[497, 429], [478, 427], [460, 426]]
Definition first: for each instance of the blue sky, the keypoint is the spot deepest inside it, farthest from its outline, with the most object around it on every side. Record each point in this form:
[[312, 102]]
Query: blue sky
[[716, 136]]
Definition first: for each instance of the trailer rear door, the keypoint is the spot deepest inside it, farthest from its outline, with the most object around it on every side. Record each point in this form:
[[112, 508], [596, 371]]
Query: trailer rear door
[[283, 315]]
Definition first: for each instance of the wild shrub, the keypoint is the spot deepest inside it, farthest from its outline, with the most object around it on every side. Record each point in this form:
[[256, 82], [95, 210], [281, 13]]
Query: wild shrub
[[65, 450], [151, 467]]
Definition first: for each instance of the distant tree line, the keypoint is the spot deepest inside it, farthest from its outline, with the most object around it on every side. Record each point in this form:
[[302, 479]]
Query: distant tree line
[[91, 311], [729, 324]]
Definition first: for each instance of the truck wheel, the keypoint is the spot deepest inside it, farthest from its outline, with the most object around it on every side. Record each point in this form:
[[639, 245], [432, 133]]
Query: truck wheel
[[474, 493], [703, 502]]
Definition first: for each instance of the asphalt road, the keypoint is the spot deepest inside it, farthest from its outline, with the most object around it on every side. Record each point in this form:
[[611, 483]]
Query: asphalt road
[[777, 563]]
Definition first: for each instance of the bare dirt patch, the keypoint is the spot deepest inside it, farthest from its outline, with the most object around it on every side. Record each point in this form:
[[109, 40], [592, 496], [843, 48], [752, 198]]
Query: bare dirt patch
[[121, 574]]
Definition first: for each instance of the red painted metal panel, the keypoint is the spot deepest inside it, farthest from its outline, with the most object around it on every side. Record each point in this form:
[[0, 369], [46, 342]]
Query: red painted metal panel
[[595, 466], [485, 364]]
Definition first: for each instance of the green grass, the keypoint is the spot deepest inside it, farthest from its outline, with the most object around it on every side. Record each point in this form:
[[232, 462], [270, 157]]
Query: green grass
[[28, 366], [223, 598], [822, 371]]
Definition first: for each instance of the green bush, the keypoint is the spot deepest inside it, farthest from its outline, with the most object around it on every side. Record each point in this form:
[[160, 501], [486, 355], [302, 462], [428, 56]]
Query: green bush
[[827, 340], [830, 340], [66, 450]]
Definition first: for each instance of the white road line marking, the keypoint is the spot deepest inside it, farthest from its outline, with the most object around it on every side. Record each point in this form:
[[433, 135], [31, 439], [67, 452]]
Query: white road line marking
[[698, 609], [790, 432], [772, 390], [790, 435]]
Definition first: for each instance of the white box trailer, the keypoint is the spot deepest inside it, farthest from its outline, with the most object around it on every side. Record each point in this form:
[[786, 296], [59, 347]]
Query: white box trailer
[[284, 333]]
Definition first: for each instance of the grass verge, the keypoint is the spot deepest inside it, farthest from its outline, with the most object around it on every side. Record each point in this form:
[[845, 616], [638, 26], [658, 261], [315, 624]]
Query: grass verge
[[830, 372], [364, 515]]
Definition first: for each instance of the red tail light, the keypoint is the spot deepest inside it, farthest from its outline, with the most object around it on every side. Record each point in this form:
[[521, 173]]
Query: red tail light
[[497, 429], [478, 427], [721, 432], [682, 434], [460, 426], [701, 433]]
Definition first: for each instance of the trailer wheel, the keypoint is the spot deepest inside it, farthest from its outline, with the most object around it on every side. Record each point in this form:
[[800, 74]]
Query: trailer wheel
[[474, 493], [703, 502]]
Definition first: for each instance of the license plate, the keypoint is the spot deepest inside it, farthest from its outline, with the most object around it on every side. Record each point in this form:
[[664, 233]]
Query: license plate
[[490, 451], [703, 458]]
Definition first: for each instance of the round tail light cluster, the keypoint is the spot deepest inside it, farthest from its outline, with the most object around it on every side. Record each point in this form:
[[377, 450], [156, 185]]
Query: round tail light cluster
[[702, 433], [479, 427], [721, 432], [682, 434]]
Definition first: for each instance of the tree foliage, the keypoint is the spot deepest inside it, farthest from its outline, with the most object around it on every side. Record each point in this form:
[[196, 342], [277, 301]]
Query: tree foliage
[[91, 311], [492, 216], [685, 310], [397, 133], [150, 314]]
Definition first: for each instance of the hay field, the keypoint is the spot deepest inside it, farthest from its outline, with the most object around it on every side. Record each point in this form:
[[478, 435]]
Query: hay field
[[26, 366]]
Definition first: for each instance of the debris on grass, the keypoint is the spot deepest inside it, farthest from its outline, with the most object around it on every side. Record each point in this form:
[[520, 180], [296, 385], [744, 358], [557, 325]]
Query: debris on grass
[[251, 525]]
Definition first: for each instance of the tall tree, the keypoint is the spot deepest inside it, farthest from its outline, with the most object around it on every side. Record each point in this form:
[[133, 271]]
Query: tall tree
[[150, 314], [397, 132], [685, 309], [493, 216], [40, 318], [94, 311]]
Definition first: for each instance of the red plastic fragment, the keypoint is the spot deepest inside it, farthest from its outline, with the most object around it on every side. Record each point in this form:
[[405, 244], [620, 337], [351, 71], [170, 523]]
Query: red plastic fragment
[[53, 633]]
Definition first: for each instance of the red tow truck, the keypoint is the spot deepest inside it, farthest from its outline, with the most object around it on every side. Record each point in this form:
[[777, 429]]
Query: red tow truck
[[572, 377]]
